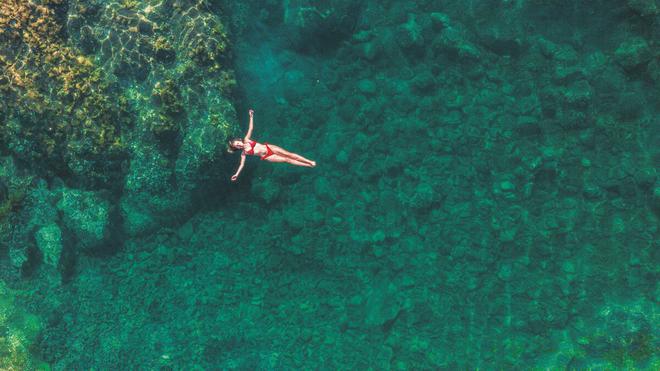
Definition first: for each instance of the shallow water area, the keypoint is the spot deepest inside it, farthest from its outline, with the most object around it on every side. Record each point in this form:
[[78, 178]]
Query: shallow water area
[[486, 195]]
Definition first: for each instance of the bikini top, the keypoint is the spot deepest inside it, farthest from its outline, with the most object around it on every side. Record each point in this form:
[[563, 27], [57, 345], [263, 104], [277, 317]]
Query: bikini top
[[252, 144]]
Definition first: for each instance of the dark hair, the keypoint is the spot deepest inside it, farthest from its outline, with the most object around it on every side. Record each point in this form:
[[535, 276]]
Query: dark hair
[[230, 147]]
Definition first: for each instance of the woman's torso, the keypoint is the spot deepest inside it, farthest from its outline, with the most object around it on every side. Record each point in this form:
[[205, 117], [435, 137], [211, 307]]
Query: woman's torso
[[255, 148]]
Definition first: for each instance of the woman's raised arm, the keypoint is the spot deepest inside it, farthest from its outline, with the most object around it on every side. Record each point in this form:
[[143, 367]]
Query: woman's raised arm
[[249, 132]]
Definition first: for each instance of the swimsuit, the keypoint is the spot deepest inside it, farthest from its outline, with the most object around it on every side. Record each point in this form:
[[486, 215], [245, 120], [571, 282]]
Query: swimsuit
[[269, 151], [251, 151]]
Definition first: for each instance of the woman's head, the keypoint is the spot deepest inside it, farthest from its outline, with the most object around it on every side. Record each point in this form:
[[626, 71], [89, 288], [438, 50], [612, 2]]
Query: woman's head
[[235, 144]]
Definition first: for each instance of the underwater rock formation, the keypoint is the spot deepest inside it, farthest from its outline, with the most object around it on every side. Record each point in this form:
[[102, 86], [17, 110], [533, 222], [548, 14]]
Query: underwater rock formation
[[645, 7], [134, 39], [18, 333], [14, 187], [86, 215], [49, 241], [87, 87], [315, 25], [621, 335], [633, 53], [63, 116], [177, 52]]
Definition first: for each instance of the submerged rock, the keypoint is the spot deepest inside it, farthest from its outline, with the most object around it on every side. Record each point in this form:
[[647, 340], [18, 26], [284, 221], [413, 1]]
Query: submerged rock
[[316, 24], [15, 187], [144, 213], [621, 334], [18, 257], [654, 69], [409, 35], [633, 53], [18, 334], [267, 190], [656, 198], [49, 242], [645, 7], [452, 38], [87, 215]]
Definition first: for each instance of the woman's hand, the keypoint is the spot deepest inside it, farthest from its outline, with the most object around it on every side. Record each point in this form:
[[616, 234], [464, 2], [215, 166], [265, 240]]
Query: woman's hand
[[251, 112], [234, 177]]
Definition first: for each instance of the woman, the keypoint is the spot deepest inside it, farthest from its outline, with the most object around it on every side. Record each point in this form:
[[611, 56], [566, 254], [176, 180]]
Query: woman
[[268, 152]]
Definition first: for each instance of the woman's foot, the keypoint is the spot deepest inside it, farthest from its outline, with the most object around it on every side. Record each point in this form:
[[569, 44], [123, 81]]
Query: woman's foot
[[313, 163]]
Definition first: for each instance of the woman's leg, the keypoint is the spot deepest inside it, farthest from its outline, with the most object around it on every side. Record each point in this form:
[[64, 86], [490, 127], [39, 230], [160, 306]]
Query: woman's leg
[[279, 158], [284, 153]]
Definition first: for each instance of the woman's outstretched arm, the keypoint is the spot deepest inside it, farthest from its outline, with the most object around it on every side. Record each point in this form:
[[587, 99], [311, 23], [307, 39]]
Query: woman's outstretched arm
[[240, 167], [249, 132]]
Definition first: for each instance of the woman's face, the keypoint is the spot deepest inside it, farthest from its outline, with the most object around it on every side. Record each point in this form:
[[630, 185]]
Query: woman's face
[[237, 144]]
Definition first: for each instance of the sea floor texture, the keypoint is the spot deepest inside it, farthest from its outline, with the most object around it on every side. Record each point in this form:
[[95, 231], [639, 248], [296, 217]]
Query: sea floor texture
[[486, 194]]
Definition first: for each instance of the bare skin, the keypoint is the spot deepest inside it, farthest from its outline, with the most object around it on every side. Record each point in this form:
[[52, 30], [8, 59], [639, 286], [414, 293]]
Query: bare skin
[[278, 154]]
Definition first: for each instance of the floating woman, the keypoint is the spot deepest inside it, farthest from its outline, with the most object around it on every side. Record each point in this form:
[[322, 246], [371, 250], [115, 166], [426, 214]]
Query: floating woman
[[268, 152]]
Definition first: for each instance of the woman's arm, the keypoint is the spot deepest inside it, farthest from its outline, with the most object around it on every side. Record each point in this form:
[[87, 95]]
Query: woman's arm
[[249, 132], [240, 167]]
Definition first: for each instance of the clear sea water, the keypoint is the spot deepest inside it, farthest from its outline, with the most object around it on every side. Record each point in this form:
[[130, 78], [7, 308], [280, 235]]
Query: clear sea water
[[486, 195]]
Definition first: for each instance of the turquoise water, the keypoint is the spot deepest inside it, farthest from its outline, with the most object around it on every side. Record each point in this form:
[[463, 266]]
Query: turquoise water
[[487, 193]]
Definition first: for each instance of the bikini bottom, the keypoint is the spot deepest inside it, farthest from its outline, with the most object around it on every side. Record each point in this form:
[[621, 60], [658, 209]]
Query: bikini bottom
[[268, 152]]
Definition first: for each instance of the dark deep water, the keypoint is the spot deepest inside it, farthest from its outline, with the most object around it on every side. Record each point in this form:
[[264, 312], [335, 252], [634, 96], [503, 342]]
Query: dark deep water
[[487, 194]]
